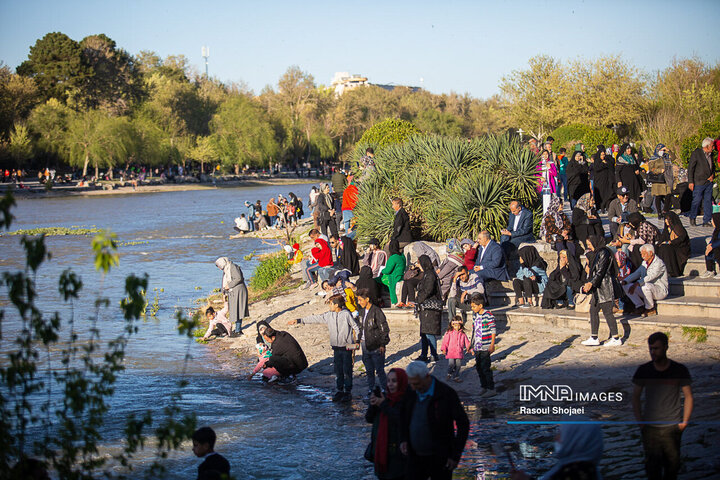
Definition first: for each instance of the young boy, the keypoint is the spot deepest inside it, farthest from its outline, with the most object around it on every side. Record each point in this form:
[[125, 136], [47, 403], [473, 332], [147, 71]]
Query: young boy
[[214, 465], [344, 335], [483, 342]]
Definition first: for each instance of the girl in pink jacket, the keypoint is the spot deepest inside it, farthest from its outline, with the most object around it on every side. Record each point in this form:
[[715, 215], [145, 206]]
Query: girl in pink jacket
[[454, 345]]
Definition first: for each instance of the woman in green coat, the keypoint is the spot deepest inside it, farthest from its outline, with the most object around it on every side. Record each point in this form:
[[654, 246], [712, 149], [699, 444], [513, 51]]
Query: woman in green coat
[[393, 271]]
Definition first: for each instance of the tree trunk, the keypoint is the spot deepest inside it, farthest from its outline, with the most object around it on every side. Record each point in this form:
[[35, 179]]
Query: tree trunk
[[97, 172], [202, 167], [85, 165], [237, 169]]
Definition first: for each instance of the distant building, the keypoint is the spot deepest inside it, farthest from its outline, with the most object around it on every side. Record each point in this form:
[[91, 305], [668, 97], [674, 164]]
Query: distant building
[[343, 81]]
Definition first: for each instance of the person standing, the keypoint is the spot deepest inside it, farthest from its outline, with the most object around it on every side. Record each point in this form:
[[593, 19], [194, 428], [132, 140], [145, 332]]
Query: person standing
[[483, 344], [273, 210], [374, 337], [339, 182], [401, 225], [701, 175], [326, 211], [627, 172], [604, 167], [662, 416], [660, 174], [435, 426], [429, 306], [601, 285], [578, 177], [250, 215], [233, 285], [214, 465], [562, 162], [349, 200]]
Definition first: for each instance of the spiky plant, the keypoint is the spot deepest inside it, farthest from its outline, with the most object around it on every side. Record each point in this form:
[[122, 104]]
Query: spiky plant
[[374, 212]]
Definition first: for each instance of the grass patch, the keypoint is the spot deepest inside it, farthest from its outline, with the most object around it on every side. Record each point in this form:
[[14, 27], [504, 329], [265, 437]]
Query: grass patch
[[282, 285], [269, 271], [55, 231], [698, 334]]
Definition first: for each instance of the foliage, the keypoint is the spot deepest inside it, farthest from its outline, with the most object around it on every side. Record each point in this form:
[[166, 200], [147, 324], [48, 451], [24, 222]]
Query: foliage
[[388, 132], [57, 417], [698, 334], [18, 95], [570, 135], [269, 270], [708, 129], [20, 146], [51, 231], [450, 187]]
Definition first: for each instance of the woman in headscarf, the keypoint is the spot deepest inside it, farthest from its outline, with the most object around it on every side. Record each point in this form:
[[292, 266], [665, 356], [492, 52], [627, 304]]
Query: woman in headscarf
[[365, 280], [326, 211], [563, 282], [604, 167], [393, 271], [632, 290], [447, 270], [429, 305], [660, 173], [233, 285], [531, 278], [585, 219], [673, 245], [627, 173], [602, 284], [578, 177], [578, 450], [386, 415], [555, 227], [346, 254], [712, 250], [645, 233], [546, 172]]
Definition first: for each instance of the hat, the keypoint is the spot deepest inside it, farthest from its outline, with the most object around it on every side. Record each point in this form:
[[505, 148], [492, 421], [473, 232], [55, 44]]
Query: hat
[[622, 191], [296, 246]]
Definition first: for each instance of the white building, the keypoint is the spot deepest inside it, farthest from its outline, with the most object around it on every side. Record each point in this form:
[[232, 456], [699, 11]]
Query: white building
[[343, 81]]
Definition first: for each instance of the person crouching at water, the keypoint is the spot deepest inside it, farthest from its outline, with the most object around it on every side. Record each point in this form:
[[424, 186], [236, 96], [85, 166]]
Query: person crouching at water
[[233, 284], [218, 324], [287, 358], [344, 332]]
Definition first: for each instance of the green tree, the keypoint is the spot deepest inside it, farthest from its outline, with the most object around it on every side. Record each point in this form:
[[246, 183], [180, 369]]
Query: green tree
[[441, 123], [94, 138], [241, 133], [49, 123], [18, 95], [20, 146], [56, 65], [204, 151]]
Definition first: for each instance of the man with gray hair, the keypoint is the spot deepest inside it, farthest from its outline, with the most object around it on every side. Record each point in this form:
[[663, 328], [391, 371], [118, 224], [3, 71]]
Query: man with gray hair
[[652, 277], [429, 435], [701, 176]]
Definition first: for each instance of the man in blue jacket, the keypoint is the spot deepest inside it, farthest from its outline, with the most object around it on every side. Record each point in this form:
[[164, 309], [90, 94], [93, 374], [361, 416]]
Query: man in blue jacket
[[519, 229], [490, 262]]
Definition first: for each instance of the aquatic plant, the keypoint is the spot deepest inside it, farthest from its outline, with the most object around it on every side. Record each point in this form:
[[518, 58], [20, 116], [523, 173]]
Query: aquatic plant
[[54, 231]]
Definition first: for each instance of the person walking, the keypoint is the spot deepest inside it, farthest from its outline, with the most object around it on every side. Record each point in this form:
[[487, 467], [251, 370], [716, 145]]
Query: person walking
[[435, 426], [374, 337], [454, 346], [601, 285], [662, 416], [233, 285], [701, 177]]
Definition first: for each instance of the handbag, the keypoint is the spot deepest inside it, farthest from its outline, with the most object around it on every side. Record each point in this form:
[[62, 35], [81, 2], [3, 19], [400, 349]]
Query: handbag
[[411, 273], [432, 304], [582, 302]]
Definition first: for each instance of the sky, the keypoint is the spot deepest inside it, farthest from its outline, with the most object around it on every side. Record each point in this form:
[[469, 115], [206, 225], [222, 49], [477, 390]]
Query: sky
[[443, 46]]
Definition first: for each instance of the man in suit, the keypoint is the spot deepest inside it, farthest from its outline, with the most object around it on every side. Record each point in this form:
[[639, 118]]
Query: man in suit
[[490, 262], [701, 176], [401, 225], [519, 229]]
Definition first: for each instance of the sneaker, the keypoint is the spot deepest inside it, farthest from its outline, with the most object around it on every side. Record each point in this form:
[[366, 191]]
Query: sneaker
[[708, 274], [338, 396], [591, 342], [525, 305], [706, 224], [613, 342], [650, 313], [321, 293], [489, 393], [448, 376], [273, 379]]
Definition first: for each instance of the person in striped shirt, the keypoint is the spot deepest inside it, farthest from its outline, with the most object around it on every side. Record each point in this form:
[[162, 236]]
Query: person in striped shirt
[[483, 343]]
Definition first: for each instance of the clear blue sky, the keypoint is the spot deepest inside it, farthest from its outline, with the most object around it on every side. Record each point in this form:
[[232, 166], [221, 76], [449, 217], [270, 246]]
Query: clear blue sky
[[461, 46]]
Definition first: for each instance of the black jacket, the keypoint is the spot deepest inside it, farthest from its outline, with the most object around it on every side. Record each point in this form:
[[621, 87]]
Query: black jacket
[[444, 413], [578, 179], [699, 170], [401, 227], [287, 356], [601, 276], [374, 328], [213, 467]]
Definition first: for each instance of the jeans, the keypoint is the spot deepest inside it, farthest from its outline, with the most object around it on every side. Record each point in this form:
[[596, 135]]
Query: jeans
[[347, 215], [607, 309], [662, 451], [343, 363], [454, 304], [310, 271], [454, 365], [324, 273], [374, 362], [337, 204], [562, 180], [482, 365], [702, 194], [251, 223], [427, 340], [570, 296]]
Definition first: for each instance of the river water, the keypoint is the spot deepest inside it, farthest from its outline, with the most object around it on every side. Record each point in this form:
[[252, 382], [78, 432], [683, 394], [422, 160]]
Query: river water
[[265, 432]]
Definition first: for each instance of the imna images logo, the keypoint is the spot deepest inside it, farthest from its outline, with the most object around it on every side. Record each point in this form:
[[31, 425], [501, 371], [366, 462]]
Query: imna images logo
[[564, 393]]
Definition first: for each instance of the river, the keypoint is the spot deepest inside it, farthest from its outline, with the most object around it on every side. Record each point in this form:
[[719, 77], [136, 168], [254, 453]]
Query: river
[[265, 432]]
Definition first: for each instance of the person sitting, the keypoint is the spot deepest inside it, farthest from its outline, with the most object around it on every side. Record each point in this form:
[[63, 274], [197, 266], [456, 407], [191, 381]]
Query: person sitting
[[411, 279], [366, 282], [469, 252], [712, 250], [490, 262], [632, 292], [464, 284], [260, 221], [418, 249], [531, 278], [563, 282], [287, 359], [241, 224], [519, 229], [446, 272], [345, 253], [619, 209], [375, 258], [645, 233], [652, 278], [555, 228], [393, 271], [218, 324], [673, 245], [585, 220], [321, 262]]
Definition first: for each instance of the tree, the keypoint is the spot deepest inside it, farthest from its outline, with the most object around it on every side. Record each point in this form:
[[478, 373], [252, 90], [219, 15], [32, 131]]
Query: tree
[[56, 65], [94, 137], [241, 133], [49, 123], [20, 147], [441, 123], [534, 97], [203, 152], [18, 95]]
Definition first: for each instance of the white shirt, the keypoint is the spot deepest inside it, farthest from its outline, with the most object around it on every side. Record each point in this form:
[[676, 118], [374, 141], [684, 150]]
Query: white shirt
[[517, 221]]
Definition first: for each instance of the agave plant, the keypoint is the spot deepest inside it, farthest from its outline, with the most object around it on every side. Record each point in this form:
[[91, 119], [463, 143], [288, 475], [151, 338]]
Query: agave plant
[[374, 212]]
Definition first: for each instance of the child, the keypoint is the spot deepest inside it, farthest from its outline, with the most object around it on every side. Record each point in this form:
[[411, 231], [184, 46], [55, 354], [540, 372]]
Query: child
[[483, 343], [218, 323], [454, 345], [263, 354], [214, 465]]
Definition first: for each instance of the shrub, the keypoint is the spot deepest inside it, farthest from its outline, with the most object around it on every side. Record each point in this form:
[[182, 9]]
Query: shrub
[[269, 271], [708, 129], [569, 135], [389, 132]]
